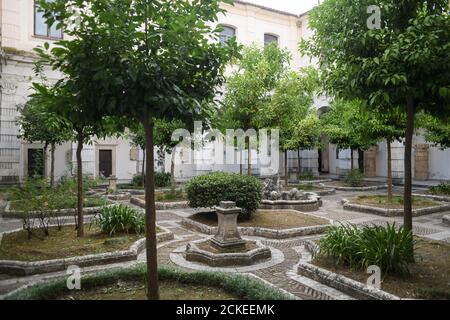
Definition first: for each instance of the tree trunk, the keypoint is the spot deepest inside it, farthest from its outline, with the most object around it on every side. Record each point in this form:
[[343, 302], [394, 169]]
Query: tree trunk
[[172, 170], [408, 165], [249, 164], [299, 164], [352, 166], [150, 216], [143, 168], [52, 165], [80, 227], [286, 178], [389, 170]]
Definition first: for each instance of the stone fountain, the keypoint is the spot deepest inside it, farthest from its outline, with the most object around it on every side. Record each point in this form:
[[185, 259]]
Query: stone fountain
[[274, 198], [227, 248]]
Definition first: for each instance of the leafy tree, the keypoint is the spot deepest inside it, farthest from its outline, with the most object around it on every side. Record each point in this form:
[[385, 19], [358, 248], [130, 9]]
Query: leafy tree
[[31, 129], [163, 139], [345, 125], [437, 130], [134, 59], [403, 63], [250, 86], [290, 109]]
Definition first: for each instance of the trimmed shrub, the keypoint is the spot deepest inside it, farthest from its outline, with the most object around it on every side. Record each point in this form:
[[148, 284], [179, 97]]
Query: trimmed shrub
[[441, 189], [137, 180], [119, 219], [162, 179], [208, 190], [390, 248], [354, 178]]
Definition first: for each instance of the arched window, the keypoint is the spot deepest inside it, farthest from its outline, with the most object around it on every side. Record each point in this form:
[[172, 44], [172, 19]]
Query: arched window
[[227, 33], [269, 38]]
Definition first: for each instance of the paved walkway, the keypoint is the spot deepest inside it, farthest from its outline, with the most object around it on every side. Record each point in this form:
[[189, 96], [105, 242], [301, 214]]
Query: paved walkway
[[281, 275]]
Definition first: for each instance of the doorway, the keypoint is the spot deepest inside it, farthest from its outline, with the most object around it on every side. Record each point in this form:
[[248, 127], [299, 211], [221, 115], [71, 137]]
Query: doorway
[[105, 163]]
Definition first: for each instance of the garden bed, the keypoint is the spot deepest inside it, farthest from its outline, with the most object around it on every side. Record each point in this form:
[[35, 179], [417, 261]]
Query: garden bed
[[364, 186], [379, 204], [275, 224], [164, 200], [20, 256], [127, 284], [429, 276]]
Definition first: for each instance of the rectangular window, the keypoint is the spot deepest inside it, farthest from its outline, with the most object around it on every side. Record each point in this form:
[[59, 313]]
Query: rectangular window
[[40, 26]]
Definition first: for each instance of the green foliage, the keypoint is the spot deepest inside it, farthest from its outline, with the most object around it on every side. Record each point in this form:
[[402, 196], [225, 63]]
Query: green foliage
[[243, 286], [441, 189], [162, 179], [171, 195], [437, 130], [119, 219], [306, 176], [389, 248], [137, 180], [354, 178], [208, 190]]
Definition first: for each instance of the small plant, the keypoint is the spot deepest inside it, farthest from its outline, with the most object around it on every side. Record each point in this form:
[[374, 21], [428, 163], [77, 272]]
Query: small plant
[[208, 190], [441, 189], [119, 219], [306, 176], [387, 247], [137, 180], [162, 179], [354, 178]]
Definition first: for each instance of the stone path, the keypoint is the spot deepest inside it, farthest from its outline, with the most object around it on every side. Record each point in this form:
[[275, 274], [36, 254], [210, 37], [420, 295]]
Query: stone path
[[281, 275]]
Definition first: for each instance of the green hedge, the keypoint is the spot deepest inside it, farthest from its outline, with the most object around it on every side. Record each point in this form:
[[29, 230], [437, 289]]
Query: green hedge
[[208, 190], [242, 286]]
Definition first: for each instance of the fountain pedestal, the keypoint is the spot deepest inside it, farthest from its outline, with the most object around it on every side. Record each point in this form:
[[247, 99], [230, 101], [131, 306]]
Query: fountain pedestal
[[228, 236]]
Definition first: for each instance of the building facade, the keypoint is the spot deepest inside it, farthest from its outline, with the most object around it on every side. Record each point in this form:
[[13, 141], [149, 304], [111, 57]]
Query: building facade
[[23, 28]]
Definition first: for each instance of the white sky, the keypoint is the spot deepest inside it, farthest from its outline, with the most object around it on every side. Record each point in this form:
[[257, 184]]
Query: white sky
[[292, 6]]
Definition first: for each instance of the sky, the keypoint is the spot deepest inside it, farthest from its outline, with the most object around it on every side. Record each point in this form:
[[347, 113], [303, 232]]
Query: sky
[[292, 6]]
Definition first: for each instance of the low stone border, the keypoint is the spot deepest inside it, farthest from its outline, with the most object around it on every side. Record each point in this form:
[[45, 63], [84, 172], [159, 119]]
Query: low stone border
[[432, 197], [121, 196], [370, 188], [258, 255], [309, 181], [346, 285], [446, 220], [393, 212], [259, 232], [8, 213], [313, 203], [23, 268], [161, 205]]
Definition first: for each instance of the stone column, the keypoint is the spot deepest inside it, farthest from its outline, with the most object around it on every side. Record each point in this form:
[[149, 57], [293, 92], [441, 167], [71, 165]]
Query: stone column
[[112, 181], [370, 162], [228, 235], [421, 162]]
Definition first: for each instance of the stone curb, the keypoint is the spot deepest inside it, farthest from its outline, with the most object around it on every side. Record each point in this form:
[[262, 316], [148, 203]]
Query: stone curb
[[446, 220], [392, 212], [23, 268], [161, 205], [8, 213], [258, 232], [346, 285], [300, 182], [371, 188], [432, 197]]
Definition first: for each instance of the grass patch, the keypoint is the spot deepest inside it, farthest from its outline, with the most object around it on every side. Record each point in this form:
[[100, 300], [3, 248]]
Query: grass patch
[[168, 196], [381, 201], [62, 244], [238, 286], [362, 184], [272, 219], [429, 276], [70, 203]]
